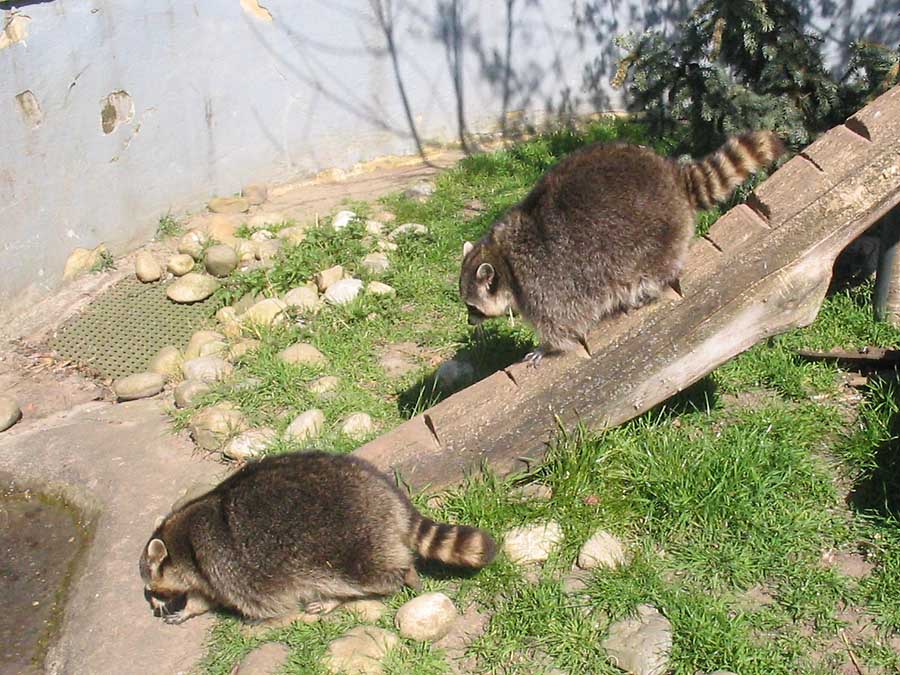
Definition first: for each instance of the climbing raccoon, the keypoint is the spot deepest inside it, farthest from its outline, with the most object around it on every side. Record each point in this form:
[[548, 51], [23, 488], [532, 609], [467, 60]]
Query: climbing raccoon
[[307, 529], [604, 230]]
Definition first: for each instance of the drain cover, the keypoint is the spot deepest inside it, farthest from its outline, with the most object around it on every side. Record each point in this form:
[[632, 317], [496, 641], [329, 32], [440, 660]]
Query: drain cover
[[124, 328]]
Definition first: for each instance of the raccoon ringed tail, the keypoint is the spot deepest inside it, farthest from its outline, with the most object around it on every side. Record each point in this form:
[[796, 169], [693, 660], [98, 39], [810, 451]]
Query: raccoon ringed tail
[[457, 545], [713, 178]]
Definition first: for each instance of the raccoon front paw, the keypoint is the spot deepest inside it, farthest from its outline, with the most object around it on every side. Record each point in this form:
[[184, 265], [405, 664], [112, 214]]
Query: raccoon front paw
[[322, 607], [176, 618], [534, 358]]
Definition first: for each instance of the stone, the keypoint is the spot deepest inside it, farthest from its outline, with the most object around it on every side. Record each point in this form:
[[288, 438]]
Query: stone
[[358, 425], [266, 312], [198, 339], [139, 385], [378, 288], [214, 348], [246, 302], [266, 219], [323, 385], [374, 227], [399, 359], [267, 659], [359, 651], [221, 260], [343, 291], [268, 249], [241, 348], [207, 369], [180, 264], [293, 235], [255, 193], [532, 543], [408, 229], [419, 191], [192, 287], [249, 444], [454, 374], [188, 391], [192, 243], [302, 353], [368, 611], [385, 245], [246, 250], [146, 269], [220, 227], [376, 263], [82, 260], [227, 318], [342, 219], [305, 298], [426, 617], [326, 278], [532, 491], [262, 235], [228, 205], [213, 426], [306, 425], [575, 581], [167, 363], [10, 412], [385, 217], [601, 550], [641, 645]]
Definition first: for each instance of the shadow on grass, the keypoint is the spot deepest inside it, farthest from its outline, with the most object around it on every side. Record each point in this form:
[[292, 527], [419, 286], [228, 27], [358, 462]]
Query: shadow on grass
[[702, 396]]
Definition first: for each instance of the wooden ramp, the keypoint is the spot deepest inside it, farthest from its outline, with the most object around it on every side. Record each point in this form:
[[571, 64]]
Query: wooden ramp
[[763, 268]]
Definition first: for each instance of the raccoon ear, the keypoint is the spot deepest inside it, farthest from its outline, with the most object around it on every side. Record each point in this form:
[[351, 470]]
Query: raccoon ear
[[467, 247], [156, 552], [485, 273]]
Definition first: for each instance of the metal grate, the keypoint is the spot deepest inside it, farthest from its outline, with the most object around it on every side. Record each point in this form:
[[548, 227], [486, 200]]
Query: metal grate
[[122, 330]]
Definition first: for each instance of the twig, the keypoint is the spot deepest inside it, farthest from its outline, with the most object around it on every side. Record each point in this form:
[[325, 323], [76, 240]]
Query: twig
[[850, 652]]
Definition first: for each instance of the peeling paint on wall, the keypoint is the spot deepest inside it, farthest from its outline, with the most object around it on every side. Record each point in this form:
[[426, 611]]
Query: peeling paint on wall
[[30, 108], [118, 108], [15, 29], [253, 8]]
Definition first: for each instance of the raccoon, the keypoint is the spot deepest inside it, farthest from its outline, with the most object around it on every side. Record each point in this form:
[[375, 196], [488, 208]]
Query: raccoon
[[605, 230], [308, 529]]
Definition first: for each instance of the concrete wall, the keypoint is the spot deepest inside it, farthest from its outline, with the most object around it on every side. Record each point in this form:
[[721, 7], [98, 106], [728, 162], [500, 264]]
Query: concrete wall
[[111, 113]]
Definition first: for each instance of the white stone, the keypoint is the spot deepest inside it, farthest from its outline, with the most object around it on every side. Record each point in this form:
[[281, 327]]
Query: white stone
[[343, 291], [304, 354], [342, 219], [326, 278], [267, 659], [295, 234], [368, 611], [249, 444], [206, 369], [385, 245], [214, 348], [374, 227], [535, 491], [359, 651], [426, 617], [454, 374], [167, 363], [227, 318], [264, 313], [192, 243], [378, 288], [262, 235], [358, 425], [10, 412], [221, 260], [192, 287], [180, 264], [213, 426], [306, 425], [419, 191], [146, 269], [641, 645], [139, 385], [323, 385], [305, 298], [532, 543], [408, 228], [376, 263], [187, 392], [266, 219], [81, 260], [268, 249], [198, 339], [242, 347], [601, 550]]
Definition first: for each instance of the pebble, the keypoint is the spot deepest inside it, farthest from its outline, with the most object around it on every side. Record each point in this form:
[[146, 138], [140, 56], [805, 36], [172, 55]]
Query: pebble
[[192, 243], [264, 313], [146, 269], [267, 659], [384, 245], [221, 260], [239, 349], [81, 260], [212, 426], [378, 288], [575, 581], [227, 317], [192, 287], [304, 354], [198, 339], [293, 235], [374, 227], [641, 645], [246, 302], [266, 219], [188, 391], [206, 369], [453, 374], [368, 611], [532, 543], [343, 291], [342, 219], [180, 264], [255, 193], [601, 550], [262, 235], [220, 227], [408, 228], [399, 359], [376, 263], [246, 250], [214, 348], [426, 617], [139, 385], [532, 491], [305, 425], [228, 205], [249, 444], [10, 412], [323, 385], [305, 298], [420, 191], [268, 249], [167, 362], [359, 651], [358, 425], [326, 278]]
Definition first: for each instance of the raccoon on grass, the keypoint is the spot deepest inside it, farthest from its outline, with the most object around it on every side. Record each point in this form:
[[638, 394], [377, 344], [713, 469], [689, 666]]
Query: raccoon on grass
[[605, 230], [301, 531]]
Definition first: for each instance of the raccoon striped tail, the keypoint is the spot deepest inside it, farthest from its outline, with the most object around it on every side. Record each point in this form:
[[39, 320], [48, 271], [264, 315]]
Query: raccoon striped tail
[[713, 178], [457, 545]]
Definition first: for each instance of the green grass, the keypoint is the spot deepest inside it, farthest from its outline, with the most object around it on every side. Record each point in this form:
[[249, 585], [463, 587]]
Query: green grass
[[168, 226], [104, 263], [726, 496]]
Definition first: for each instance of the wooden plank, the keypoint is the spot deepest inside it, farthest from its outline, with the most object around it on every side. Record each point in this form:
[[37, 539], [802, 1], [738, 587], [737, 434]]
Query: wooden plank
[[839, 152], [788, 190], [736, 227], [880, 120]]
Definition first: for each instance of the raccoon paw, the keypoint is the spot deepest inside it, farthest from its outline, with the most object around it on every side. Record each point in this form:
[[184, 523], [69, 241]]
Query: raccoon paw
[[321, 607], [534, 358], [176, 617]]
